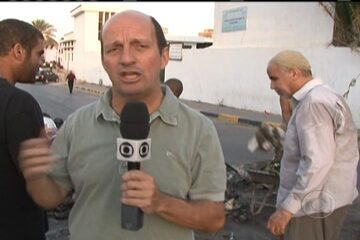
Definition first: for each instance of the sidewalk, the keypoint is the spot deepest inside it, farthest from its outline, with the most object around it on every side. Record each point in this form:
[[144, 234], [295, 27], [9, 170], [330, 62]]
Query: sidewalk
[[223, 113]]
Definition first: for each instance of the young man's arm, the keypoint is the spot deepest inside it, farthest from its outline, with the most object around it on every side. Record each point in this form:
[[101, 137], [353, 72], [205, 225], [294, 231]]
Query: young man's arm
[[35, 161]]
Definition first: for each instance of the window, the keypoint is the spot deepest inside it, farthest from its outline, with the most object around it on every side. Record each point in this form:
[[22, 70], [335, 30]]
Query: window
[[100, 24], [103, 17]]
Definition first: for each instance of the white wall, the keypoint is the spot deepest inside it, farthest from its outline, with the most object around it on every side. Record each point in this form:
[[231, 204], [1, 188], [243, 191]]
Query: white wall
[[88, 61], [93, 69], [79, 64], [236, 77], [276, 24], [91, 43]]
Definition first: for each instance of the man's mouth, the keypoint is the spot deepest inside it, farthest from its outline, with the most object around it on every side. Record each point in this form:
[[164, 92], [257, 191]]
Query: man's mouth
[[129, 75]]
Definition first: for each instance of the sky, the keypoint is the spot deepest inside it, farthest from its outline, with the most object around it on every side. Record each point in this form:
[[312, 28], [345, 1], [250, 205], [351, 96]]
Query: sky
[[181, 18]]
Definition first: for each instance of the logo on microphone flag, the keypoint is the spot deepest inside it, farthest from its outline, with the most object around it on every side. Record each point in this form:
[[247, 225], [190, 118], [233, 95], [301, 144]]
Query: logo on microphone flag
[[133, 150]]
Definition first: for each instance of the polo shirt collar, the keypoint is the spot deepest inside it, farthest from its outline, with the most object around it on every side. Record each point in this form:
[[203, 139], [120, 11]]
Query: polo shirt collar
[[104, 109], [167, 112]]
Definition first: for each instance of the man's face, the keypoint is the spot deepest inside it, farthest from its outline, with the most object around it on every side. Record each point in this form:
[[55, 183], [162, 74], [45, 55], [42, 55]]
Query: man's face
[[280, 79], [131, 56], [31, 63]]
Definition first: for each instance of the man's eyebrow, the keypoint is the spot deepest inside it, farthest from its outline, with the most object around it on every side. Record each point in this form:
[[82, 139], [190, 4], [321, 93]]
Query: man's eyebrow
[[132, 41], [273, 78], [114, 43], [139, 40]]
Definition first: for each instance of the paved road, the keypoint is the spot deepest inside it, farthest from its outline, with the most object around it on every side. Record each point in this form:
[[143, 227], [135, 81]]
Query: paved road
[[56, 100]]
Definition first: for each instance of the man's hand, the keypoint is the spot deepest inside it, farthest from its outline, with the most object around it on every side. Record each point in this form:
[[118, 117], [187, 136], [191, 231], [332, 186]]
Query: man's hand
[[35, 161], [35, 158], [139, 190], [278, 221]]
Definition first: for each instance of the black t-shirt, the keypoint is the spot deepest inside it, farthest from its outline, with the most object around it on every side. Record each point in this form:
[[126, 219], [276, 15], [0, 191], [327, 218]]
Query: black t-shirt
[[20, 119]]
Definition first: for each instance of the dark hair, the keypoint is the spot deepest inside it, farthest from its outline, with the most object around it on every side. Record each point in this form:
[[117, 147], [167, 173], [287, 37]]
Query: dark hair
[[174, 81], [58, 122], [175, 86], [160, 37], [13, 31]]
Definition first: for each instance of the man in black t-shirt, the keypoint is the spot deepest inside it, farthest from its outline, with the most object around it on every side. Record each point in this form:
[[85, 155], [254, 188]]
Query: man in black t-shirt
[[21, 51]]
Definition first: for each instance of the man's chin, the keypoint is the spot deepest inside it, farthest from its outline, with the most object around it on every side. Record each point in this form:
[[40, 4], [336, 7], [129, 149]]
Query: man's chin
[[284, 95]]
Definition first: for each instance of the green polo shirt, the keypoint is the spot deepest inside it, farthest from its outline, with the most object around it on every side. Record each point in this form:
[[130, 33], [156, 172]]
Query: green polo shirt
[[186, 161]]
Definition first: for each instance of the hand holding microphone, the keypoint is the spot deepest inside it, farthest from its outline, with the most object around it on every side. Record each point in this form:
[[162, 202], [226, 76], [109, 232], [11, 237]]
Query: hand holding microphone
[[139, 189], [133, 147]]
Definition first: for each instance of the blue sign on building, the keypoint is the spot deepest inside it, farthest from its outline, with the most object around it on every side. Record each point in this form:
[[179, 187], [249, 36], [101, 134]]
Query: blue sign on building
[[234, 19]]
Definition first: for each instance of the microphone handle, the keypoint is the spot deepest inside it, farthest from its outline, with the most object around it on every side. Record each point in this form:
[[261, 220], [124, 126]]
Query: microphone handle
[[133, 166], [131, 217]]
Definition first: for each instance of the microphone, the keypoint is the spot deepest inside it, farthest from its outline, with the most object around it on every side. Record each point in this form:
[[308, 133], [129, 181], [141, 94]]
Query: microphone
[[133, 147]]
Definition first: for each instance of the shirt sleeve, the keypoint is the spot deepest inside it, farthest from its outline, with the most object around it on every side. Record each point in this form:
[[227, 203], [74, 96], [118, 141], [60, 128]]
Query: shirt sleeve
[[317, 150], [209, 174], [23, 121]]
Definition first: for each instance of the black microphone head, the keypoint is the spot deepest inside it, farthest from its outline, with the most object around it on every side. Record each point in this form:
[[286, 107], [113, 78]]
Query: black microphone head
[[135, 121]]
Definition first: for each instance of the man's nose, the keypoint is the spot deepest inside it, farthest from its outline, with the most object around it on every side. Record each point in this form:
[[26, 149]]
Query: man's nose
[[127, 56], [271, 85]]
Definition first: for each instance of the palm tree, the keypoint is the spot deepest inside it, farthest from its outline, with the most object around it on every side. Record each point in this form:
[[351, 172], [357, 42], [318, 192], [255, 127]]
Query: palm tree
[[346, 17], [47, 30]]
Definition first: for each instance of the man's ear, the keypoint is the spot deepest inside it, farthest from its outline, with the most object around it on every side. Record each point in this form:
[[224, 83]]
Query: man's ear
[[164, 57], [295, 72], [19, 52]]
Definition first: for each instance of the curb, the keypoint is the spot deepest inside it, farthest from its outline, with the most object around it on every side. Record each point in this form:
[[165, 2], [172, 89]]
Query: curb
[[233, 119], [90, 90]]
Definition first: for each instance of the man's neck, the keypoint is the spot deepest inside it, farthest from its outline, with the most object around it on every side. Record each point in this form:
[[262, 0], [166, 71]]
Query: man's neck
[[5, 71], [152, 102], [9, 80], [301, 83]]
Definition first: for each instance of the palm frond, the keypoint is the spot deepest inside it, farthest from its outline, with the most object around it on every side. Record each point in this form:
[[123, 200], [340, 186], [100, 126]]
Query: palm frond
[[47, 30]]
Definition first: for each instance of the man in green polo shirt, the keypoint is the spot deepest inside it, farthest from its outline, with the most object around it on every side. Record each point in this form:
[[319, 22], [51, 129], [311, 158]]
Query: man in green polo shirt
[[180, 189]]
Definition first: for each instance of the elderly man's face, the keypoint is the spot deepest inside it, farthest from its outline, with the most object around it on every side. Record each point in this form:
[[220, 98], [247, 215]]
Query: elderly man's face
[[280, 79], [131, 56]]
